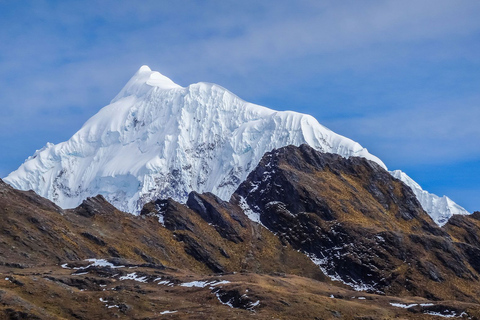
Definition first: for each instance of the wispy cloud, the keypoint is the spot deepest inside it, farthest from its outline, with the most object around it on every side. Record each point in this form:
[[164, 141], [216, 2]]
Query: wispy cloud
[[436, 133]]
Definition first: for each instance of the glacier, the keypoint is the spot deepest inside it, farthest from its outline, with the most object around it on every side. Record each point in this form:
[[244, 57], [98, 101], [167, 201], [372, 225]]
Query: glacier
[[157, 139]]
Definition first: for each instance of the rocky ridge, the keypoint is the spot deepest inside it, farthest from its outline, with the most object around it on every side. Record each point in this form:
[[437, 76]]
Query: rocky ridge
[[359, 224]]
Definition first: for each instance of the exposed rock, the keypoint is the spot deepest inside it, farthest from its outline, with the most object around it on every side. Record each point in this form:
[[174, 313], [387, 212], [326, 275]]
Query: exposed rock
[[213, 216], [235, 299], [95, 205], [91, 237], [200, 253]]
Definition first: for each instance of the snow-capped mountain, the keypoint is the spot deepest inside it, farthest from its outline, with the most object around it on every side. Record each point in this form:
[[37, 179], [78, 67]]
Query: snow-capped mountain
[[439, 208], [157, 139]]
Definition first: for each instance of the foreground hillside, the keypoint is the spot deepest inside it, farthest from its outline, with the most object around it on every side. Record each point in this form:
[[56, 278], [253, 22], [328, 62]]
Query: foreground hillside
[[151, 293], [300, 220]]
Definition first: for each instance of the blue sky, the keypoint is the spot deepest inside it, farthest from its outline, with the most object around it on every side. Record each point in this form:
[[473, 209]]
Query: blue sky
[[400, 77]]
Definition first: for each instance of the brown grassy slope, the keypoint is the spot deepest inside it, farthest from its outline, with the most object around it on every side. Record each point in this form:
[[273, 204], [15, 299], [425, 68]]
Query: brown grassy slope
[[225, 240], [56, 293], [33, 231]]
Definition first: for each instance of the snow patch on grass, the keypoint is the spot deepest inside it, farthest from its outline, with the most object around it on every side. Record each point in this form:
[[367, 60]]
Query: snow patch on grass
[[203, 284], [133, 276], [404, 306], [168, 312], [102, 263]]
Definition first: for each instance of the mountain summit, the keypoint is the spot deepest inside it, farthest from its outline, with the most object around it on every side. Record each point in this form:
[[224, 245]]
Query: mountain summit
[[157, 139]]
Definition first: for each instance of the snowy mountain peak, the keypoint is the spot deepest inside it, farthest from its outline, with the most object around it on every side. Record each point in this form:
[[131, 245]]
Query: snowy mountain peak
[[143, 81], [157, 139], [144, 68]]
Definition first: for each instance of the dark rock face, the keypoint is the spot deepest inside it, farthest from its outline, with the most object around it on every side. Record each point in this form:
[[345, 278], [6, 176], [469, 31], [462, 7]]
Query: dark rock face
[[95, 205], [211, 215], [93, 238], [361, 225], [235, 299], [466, 231], [19, 315], [465, 228]]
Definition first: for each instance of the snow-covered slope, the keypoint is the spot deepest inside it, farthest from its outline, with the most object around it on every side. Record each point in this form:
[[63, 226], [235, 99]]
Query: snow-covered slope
[[157, 139], [439, 208]]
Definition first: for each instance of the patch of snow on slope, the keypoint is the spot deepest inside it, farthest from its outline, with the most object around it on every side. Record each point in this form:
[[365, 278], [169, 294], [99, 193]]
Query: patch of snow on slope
[[195, 284], [133, 276], [452, 314], [203, 284], [252, 215], [404, 306], [102, 263], [355, 285], [165, 282], [168, 312]]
